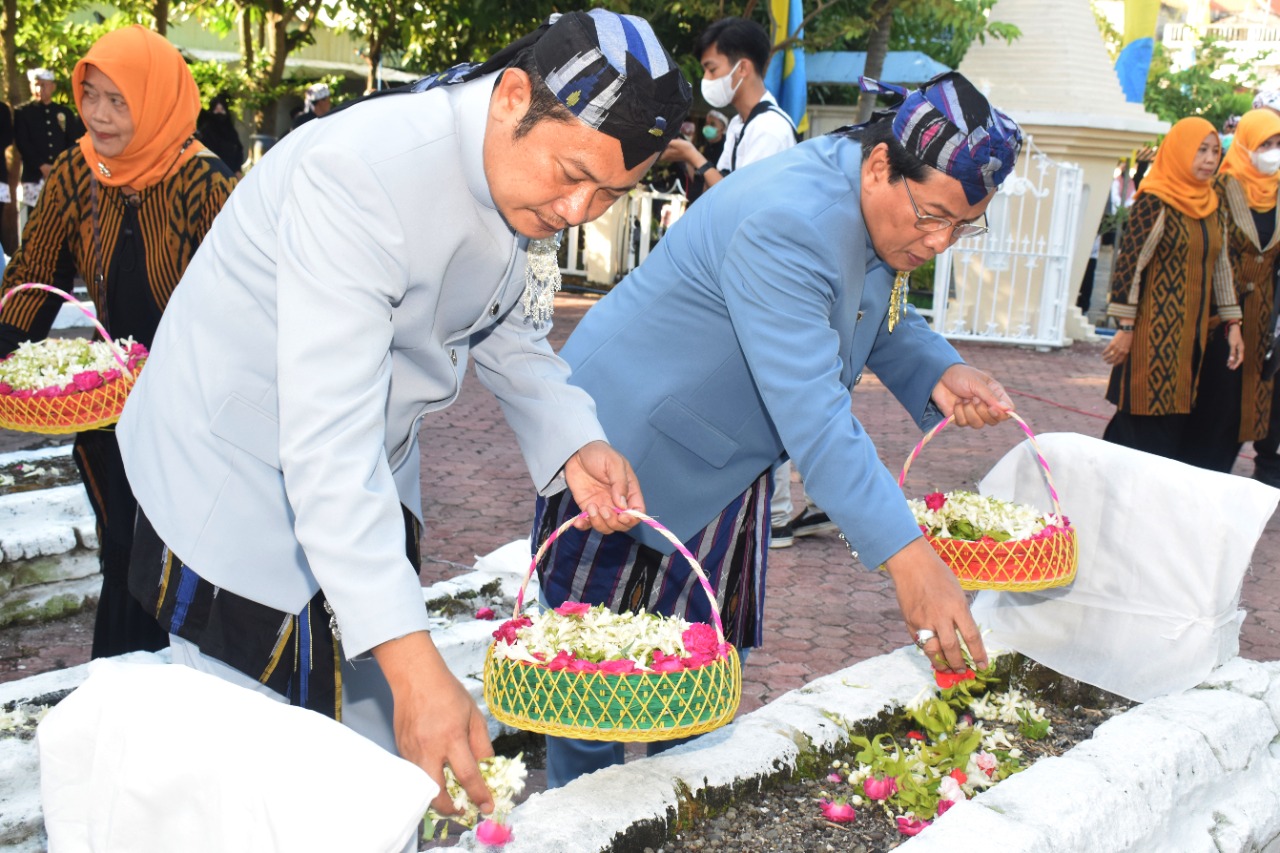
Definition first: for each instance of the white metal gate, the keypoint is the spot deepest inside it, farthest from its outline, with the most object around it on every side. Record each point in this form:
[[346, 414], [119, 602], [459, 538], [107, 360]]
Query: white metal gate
[[1013, 284]]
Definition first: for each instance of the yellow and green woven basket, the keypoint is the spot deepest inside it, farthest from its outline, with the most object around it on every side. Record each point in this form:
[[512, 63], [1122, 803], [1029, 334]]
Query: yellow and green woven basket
[[646, 706], [1019, 565]]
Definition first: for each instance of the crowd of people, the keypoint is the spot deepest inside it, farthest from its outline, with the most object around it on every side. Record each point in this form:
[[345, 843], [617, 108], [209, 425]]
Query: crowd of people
[[263, 484], [1194, 297]]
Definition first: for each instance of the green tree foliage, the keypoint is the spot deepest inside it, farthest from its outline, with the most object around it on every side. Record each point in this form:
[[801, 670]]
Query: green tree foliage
[[1111, 37], [941, 29], [1201, 89]]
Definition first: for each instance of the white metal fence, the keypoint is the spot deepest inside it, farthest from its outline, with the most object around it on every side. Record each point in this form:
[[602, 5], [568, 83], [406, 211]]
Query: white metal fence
[[1013, 284], [640, 233]]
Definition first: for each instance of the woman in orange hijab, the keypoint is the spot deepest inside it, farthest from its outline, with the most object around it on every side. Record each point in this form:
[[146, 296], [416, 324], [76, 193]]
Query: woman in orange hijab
[[124, 211], [1235, 407], [1170, 266]]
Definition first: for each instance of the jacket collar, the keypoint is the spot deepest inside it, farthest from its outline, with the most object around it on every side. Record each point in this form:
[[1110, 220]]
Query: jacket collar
[[471, 106]]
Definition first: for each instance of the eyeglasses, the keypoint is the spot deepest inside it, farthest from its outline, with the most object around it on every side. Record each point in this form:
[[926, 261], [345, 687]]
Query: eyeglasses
[[937, 223]]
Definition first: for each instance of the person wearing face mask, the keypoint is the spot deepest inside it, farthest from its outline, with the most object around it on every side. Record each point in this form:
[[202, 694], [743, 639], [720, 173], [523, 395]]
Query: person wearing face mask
[[734, 53], [124, 209], [711, 145], [1233, 407], [1171, 266]]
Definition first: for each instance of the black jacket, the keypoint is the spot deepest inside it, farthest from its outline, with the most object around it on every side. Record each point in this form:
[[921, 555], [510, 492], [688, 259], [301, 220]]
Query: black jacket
[[42, 132]]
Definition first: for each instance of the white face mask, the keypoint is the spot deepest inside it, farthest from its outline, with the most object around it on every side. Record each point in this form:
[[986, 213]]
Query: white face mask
[[1266, 162], [720, 91]]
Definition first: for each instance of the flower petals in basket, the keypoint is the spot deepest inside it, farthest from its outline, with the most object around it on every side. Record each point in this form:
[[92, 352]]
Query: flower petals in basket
[[62, 385], [991, 543], [587, 672]]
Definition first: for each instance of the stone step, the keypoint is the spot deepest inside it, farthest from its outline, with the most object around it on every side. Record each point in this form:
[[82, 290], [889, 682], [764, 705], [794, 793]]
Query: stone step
[[43, 602], [45, 522]]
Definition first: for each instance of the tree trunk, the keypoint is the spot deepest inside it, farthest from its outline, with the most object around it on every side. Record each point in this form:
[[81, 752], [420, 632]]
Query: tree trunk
[[877, 48], [160, 11], [13, 82], [375, 59]]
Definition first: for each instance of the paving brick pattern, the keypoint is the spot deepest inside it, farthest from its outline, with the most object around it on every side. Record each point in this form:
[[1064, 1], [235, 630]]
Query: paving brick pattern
[[825, 611]]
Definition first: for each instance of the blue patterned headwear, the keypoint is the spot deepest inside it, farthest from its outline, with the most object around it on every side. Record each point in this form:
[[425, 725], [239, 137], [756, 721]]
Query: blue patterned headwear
[[607, 69], [949, 125]]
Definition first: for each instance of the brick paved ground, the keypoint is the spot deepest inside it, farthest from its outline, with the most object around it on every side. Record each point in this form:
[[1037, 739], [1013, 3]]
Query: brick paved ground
[[824, 612]]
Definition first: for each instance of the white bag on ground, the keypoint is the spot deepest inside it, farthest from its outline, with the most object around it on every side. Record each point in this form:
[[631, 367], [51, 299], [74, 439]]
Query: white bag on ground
[[1163, 552], [163, 758]]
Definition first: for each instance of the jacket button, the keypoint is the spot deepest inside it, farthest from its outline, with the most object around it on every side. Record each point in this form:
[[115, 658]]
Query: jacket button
[[453, 356], [493, 310]]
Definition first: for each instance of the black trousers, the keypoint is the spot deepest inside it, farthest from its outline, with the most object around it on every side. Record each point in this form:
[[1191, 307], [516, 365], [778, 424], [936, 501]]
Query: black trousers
[[1267, 466], [1212, 437], [1158, 434], [122, 624]]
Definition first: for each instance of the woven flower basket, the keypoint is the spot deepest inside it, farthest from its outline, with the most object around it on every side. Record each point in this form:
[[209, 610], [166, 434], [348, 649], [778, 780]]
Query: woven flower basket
[[83, 410], [1019, 565], [646, 706]]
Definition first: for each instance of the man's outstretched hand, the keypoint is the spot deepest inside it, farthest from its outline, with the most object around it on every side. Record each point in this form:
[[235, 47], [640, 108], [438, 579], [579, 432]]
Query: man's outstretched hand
[[600, 478]]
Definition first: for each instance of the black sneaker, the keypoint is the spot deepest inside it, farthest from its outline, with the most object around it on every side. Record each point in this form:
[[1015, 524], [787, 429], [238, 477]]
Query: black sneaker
[[811, 522], [781, 537]]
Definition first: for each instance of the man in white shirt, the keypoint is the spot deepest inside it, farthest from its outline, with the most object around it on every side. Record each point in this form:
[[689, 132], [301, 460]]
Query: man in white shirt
[[734, 53]]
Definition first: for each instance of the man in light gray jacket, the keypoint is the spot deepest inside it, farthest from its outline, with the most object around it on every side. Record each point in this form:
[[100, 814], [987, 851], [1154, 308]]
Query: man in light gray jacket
[[272, 438]]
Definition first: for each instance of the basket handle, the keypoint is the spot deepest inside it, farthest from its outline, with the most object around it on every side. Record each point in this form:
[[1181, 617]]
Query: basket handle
[[31, 285], [1044, 464], [652, 522]]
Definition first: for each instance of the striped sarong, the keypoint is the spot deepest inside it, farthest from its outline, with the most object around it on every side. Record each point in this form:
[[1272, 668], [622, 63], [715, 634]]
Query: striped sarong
[[294, 654], [617, 571]]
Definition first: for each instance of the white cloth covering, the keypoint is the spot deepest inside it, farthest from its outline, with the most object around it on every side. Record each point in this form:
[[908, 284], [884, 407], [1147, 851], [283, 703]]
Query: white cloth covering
[[1163, 551], [159, 758]]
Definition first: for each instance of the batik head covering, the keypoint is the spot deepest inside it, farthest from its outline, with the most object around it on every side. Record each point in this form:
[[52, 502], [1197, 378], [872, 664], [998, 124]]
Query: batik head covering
[[607, 69], [1267, 99], [1255, 128], [951, 126], [162, 98], [1171, 179], [316, 92]]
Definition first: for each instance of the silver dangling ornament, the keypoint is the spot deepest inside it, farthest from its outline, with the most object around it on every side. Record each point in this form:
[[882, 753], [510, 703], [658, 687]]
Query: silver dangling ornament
[[541, 278]]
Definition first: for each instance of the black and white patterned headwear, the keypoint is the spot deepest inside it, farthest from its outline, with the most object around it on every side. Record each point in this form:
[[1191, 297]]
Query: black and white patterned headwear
[[609, 70]]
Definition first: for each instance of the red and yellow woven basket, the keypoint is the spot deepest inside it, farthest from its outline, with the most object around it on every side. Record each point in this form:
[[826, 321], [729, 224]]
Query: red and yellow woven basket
[[1019, 565], [637, 707], [84, 410]]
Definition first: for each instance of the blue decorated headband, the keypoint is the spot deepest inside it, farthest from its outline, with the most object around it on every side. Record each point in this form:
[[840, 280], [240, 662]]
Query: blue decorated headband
[[951, 126]]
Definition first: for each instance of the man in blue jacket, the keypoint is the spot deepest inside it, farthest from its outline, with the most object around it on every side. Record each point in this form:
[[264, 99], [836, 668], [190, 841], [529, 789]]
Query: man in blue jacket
[[738, 343]]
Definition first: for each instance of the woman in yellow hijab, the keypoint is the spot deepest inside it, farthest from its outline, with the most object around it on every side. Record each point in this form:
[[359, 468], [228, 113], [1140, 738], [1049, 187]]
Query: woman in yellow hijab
[[1235, 406], [1171, 266], [124, 210]]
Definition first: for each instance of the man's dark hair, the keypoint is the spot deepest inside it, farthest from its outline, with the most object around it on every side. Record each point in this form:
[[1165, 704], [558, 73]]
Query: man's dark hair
[[902, 163], [543, 104], [736, 38]]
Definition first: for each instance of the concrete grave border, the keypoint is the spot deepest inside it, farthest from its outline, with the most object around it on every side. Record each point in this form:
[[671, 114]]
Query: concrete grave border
[[1195, 771]]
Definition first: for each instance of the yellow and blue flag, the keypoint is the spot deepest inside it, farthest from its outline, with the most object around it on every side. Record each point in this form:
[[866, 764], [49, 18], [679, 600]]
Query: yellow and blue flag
[[1134, 61], [785, 78]]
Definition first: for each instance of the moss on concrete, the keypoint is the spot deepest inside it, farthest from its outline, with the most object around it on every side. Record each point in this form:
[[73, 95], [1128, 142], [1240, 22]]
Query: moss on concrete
[[25, 610]]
